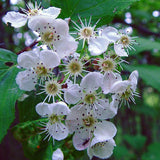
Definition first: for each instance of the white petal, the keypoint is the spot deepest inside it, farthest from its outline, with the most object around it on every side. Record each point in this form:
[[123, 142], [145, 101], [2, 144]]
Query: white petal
[[42, 109], [105, 130], [111, 34], [49, 58], [120, 51], [59, 108], [97, 45], [51, 11], [81, 139], [73, 94], [104, 110], [74, 118], [109, 79], [26, 80], [44, 23], [134, 78], [58, 131], [66, 46], [92, 81], [120, 86], [28, 59], [15, 18], [57, 155], [103, 149]]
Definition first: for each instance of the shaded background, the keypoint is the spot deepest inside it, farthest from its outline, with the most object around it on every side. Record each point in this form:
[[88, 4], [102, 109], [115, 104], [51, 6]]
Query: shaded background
[[138, 126]]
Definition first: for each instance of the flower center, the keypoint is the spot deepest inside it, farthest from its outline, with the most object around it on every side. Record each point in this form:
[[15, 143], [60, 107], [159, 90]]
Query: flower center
[[89, 98], [33, 12], [53, 118], [51, 87], [47, 37], [108, 65], [127, 94], [41, 71], [74, 67], [89, 121], [86, 32], [124, 40], [99, 144]]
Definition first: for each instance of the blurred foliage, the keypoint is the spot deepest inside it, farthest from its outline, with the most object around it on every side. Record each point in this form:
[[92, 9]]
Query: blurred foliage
[[138, 126]]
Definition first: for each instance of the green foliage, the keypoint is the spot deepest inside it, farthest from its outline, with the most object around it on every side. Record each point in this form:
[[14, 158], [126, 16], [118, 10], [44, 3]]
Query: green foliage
[[137, 142], [153, 152], [9, 90], [35, 148], [145, 45], [105, 9], [149, 74]]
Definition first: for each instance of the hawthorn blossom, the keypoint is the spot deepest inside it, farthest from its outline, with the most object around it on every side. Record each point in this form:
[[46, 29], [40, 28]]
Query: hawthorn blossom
[[125, 90], [38, 65], [88, 96], [52, 88], [18, 19], [55, 113], [74, 67], [55, 34], [102, 149], [57, 155], [85, 31], [86, 127], [122, 42], [109, 63]]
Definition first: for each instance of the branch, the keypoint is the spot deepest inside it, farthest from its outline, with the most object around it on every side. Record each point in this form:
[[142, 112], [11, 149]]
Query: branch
[[28, 47], [138, 27]]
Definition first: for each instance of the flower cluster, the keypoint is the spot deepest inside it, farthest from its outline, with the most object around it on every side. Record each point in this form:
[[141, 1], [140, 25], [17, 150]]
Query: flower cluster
[[83, 90]]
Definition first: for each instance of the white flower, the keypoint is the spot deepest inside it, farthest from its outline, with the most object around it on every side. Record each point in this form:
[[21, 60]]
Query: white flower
[[102, 149], [86, 127], [39, 64], [52, 88], [19, 19], [55, 113], [74, 66], [85, 31], [122, 42], [125, 90], [57, 155], [88, 96], [55, 34], [108, 80], [109, 63]]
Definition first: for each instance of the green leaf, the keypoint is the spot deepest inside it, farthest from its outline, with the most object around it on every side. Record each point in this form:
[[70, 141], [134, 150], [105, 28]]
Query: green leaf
[[153, 152], [144, 45], [9, 90], [149, 74], [7, 56], [34, 145], [95, 8], [137, 142]]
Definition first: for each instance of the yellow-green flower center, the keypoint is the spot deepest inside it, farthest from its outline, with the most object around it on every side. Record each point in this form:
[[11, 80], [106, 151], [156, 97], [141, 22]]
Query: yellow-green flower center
[[127, 93], [89, 121], [87, 32], [108, 65], [33, 12], [74, 67], [52, 88], [47, 37], [89, 98], [41, 71], [53, 118], [124, 40]]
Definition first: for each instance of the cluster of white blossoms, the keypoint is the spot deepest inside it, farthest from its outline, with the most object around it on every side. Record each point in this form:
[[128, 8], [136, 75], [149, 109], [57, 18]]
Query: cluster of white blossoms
[[82, 90]]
